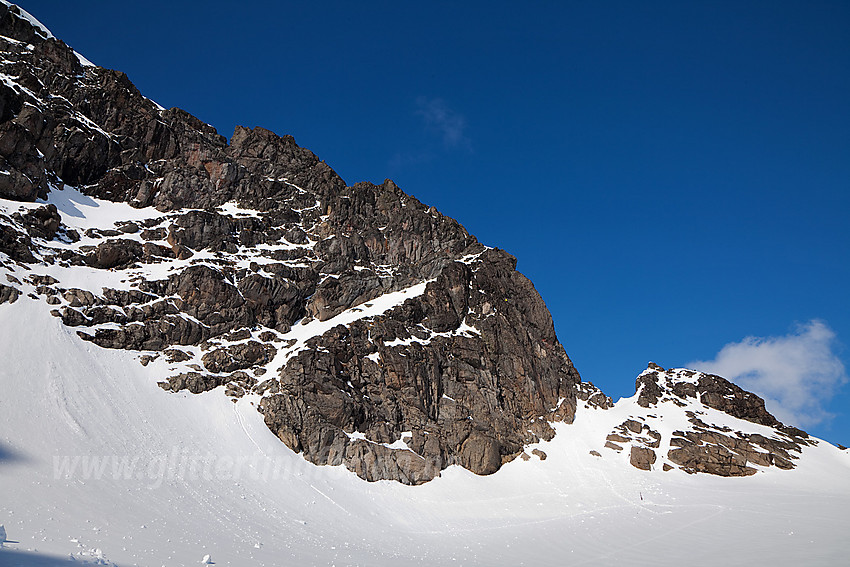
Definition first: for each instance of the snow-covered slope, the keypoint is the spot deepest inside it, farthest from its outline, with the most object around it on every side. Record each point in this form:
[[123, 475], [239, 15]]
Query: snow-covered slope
[[368, 329], [251, 501]]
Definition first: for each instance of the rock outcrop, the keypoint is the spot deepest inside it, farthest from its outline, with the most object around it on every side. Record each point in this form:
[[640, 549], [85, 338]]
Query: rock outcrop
[[758, 439]]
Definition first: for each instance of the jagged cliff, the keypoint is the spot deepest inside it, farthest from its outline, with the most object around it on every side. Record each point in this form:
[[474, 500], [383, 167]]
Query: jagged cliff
[[373, 331]]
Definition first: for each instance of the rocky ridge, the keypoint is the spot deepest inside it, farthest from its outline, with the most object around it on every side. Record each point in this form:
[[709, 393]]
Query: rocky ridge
[[371, 330], [699, 422]]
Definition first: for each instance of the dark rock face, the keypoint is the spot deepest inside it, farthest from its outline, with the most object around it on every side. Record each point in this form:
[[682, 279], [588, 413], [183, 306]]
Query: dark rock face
[[42, 222], [446, 366], [16, 244], [8, 294], [119, 253], [237, 357], [704, 450], [252, 244], [642, 458]]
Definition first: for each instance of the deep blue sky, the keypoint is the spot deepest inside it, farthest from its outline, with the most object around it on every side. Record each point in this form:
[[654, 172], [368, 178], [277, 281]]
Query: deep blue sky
[[672, 176]]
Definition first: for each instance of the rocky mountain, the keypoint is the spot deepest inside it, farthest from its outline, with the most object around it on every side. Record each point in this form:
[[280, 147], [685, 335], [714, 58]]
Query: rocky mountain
[[702, 423], [368, 329]]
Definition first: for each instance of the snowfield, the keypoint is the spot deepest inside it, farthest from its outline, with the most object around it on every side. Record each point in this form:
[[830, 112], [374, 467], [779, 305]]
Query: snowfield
[[99, 465], [167, 479]]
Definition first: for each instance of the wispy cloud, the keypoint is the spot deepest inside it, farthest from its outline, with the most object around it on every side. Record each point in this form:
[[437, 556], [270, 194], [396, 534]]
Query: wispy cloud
[[446, 122], [796, 374]]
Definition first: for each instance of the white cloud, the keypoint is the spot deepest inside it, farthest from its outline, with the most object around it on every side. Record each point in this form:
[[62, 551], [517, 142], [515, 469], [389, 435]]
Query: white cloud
[[450, 125], [796, 374]]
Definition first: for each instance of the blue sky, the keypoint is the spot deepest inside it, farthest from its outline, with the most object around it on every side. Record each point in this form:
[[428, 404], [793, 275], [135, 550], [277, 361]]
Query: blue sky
[[674, 177]]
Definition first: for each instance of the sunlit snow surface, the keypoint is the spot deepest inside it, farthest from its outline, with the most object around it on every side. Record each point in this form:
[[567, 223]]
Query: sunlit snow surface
[[65, 397], [249, 500]]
